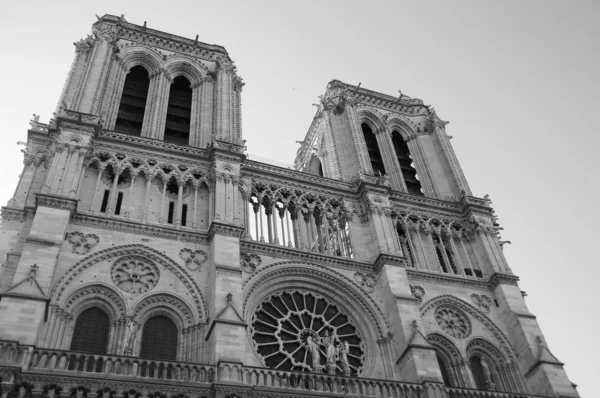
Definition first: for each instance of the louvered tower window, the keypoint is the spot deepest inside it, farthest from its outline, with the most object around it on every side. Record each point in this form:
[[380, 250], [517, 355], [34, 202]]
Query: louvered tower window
[[133, 102], [405, 244], [179, 112], [91, 331], [409, 173], [159, 339], [373, 149]]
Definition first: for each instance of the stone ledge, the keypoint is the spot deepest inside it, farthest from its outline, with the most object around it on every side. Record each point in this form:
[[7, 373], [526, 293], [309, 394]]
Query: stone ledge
[[55, 201]]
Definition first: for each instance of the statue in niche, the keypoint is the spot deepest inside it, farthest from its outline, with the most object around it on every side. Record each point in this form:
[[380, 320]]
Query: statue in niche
[[315, 354], [130, 336], [487, 374], [343, 350]]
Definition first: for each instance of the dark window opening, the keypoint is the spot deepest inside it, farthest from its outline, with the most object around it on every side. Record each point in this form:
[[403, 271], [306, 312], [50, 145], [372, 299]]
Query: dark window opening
[[91, 331], [179, 112], [133, 102], [172, 187], [159, 339], [373, 149], [413, 185], [444, 370], [184, 215], [483, 373], [321, 170], [119, 202], [105, 201], [405, 245], [478, 273], [171, 210]]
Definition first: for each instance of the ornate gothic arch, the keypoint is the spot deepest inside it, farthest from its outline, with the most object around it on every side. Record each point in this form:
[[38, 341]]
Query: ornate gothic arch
[[327, 283], [96, 294], [451, 357], [167, 304], [182, 66], [373, 118], [199, 311], [482, 345], [452, 301], [402, 125], [140, 55]]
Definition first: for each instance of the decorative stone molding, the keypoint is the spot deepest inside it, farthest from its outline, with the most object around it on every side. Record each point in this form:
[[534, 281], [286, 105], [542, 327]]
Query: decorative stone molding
[[388, 259], [137, 250], [82, 244], [133, 227], [134, 274], [366, 281], [96, 292], [453, 321], [482, 302], [224, 229], [162, 299], [193, 258], [290, 253], [502, 279], [418, 292], [55, 201], [249, 262]]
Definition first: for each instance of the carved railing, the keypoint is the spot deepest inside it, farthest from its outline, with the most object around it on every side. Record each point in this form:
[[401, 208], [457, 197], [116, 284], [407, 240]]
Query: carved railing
[[40, 360], [65, 361]]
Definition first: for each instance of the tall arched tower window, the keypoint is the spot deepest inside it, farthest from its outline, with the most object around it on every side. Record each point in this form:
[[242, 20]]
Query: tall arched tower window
[[159, 339], [91, 331], [409, 173], [133, 102], [373, 148], [444, 369], [179, 112]]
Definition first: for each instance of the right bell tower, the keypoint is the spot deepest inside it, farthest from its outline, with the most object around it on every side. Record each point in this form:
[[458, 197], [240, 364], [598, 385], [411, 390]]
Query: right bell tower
[[469, 324]]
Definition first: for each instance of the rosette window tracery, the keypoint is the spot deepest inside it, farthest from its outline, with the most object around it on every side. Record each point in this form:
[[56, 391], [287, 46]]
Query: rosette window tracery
[[453, 321], [303, 331], [134, 274]]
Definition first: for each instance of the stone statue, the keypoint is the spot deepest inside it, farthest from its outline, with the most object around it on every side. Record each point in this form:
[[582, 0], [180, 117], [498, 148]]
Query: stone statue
[[487, 375], [330, 351], [313, 346], [130, 336], [343, 350]]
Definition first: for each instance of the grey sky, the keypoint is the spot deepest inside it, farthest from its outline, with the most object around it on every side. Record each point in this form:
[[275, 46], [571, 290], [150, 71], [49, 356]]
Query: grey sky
[[518, 82]]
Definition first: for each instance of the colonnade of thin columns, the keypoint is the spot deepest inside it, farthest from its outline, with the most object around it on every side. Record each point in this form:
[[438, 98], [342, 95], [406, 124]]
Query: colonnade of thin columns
[[126, 208], [451, 254], [307, 229]]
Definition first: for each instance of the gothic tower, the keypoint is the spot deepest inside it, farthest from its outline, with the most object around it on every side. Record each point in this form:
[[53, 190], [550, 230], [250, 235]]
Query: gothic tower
[[146, 255]]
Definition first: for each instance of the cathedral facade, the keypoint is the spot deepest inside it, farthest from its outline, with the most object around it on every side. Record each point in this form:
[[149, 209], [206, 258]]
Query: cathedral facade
[[144, 254]]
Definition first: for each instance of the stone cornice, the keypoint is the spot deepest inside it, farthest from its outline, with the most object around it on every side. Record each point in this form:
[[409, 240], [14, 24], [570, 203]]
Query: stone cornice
[[151, 144], [291, 253], [14, 214], [218, 228], [388, 259], [167, 41], [136, 227], [446, 279], [502, 279], [287, 174], [55, 201]]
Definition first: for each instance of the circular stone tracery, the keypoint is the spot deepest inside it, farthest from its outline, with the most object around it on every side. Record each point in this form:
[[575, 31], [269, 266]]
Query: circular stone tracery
[[134, 274], [282, 324], [453, 321]]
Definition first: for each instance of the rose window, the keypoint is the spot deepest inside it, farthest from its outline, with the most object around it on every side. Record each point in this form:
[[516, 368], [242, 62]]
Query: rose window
[[304, 332], [134, 274], [453, 321]]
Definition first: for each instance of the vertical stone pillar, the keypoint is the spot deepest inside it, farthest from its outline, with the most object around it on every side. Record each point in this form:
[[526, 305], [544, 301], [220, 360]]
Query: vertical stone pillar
[[223, 100], [207, 112], [196, 113], [390, 160], [155, 116], [417, 361], [25, 181]]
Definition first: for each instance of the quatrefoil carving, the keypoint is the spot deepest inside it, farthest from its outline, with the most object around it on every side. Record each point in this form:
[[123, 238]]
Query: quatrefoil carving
[[82, 244], [193, 258]]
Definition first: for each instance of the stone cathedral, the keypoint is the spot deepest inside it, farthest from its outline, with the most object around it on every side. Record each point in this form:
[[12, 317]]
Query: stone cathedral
[[145, 254]]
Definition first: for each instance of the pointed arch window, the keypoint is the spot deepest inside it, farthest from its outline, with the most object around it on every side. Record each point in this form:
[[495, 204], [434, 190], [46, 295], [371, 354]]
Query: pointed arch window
[[133, 102], [409, 173], [373, 149], [484, 373], [91, 331], [179, 112], [405, 244], [159, 339], [444, 369]]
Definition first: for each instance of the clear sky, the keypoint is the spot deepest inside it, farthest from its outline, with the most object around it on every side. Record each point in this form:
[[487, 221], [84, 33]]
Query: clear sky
[[518, 81]]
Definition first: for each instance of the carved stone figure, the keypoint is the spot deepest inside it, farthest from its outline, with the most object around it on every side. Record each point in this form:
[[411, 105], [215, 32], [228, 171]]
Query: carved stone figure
[[487, 374], [330, 351], [130, 336], [313, 346], [343, 350]]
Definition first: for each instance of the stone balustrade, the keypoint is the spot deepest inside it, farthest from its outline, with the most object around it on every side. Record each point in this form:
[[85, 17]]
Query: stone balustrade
[[52, 361]]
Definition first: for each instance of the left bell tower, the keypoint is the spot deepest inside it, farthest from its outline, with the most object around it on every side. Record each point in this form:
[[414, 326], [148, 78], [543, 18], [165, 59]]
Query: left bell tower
[[140, 87]]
